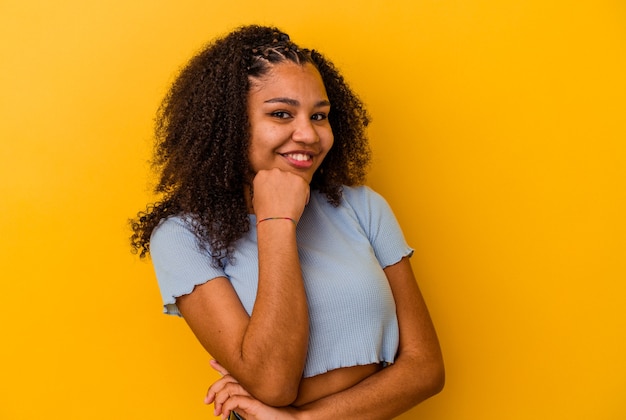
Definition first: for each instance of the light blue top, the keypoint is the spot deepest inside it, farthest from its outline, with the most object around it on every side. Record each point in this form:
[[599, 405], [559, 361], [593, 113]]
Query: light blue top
[[342, 251]]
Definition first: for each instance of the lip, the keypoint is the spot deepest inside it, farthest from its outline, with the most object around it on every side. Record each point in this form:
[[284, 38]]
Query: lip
[[294, 159]]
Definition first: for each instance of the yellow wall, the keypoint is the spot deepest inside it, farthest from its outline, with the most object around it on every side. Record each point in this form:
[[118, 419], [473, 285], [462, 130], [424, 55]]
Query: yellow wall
[[499, 138]]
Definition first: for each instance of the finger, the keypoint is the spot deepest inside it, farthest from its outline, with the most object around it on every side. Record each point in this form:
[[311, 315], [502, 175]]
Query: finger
[[216, 366], [216, 387], [228, 391], [243, 405]]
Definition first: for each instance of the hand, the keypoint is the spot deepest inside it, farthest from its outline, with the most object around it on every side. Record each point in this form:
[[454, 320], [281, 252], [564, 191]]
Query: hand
[[222, 389], [279, 193], [252, 409], [229, 396]]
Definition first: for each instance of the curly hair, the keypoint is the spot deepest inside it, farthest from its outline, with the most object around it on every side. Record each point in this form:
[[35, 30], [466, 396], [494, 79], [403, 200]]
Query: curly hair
[[202, 130]]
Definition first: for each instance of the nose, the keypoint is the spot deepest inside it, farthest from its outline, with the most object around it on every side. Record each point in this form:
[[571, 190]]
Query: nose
[[304, 131]]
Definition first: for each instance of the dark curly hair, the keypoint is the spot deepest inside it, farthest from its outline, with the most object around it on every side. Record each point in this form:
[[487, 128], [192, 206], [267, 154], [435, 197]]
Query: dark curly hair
[[202, 131]]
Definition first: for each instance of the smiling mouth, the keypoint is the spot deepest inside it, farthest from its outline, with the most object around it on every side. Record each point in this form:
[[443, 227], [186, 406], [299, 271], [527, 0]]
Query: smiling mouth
[[299, 157]]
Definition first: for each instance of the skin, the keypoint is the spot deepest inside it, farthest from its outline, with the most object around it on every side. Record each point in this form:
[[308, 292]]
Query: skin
[[288, 112], [416, 375], [290, 136]]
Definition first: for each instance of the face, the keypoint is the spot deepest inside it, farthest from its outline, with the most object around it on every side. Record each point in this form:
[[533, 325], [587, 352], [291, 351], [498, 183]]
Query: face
[[288, 111]]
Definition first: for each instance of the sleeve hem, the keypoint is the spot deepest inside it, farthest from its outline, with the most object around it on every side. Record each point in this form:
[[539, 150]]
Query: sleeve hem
[[408, 252]]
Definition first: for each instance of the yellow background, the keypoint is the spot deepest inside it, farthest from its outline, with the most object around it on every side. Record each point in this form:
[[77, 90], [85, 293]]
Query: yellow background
[[499, 139]]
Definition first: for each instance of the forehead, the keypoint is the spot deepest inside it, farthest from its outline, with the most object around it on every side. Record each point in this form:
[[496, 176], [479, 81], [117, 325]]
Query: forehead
[[288, 77]]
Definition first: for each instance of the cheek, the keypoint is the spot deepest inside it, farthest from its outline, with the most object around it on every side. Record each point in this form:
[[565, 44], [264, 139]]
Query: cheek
[[255, 149], [268, 135], [260, 150], [329, 139]]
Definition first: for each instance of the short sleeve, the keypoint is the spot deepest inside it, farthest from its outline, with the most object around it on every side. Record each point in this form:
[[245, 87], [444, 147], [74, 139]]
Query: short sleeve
[[179, 263], [380, 224]]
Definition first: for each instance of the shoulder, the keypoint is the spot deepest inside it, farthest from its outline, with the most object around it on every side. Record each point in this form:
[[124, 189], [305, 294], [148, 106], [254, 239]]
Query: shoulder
[[363, 198], [172, 232], [366, 206], [360, 200], [358, 193], [171, 224]]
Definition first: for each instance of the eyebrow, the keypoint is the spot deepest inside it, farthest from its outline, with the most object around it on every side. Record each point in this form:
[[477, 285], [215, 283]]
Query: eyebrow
[[294, 102]]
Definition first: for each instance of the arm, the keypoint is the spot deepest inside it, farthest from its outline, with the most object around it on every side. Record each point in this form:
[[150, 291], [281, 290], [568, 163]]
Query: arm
[[270, 344], [416, 375]]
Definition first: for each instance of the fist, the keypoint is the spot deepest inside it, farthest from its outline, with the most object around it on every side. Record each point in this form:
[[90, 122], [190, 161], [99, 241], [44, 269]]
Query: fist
[[278, 193]]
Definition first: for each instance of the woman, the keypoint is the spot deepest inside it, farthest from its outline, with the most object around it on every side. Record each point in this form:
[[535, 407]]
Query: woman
[[293, 275]]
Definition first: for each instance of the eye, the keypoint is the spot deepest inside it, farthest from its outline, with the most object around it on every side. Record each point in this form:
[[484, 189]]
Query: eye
[[281, 114], [320, 116]]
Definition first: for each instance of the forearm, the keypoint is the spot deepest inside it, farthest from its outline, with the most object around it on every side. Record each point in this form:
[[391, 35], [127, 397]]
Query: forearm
[[417, 373], [384, 395], [264, 351], [275, 341]]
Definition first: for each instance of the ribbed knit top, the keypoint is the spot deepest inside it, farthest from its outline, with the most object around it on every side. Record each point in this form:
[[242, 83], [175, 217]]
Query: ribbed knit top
[[342, 251]]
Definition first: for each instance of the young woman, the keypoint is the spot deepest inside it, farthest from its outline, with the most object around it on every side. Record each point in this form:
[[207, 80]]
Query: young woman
[[291, 273]]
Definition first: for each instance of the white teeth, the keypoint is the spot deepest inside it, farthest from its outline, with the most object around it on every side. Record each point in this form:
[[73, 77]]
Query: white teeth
[[301, 157]]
